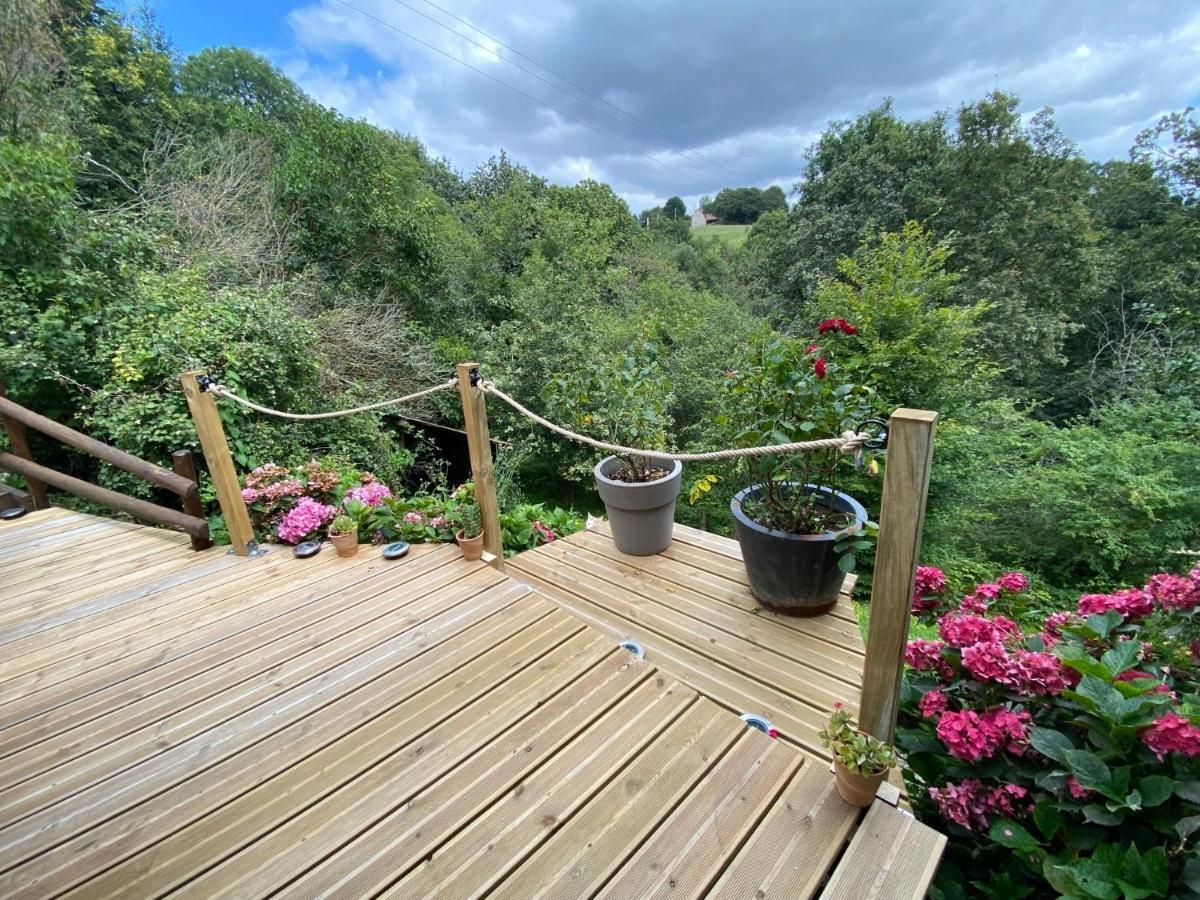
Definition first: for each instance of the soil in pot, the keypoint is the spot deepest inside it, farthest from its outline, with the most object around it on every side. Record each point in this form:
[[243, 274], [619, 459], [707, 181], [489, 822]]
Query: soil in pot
[[796, 574], [641, 513], [472, 548], [345, 544], [856, 788]]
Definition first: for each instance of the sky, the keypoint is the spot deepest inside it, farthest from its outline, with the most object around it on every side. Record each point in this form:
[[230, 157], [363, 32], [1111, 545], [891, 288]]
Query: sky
[[661, 97]]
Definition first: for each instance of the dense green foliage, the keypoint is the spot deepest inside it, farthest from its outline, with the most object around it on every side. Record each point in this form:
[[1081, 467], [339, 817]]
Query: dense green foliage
[[159, 214]]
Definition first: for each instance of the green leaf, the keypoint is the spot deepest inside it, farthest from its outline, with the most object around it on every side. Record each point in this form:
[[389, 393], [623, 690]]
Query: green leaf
[[846, 561], [1188, 790], [1124, 655], [1013, 835], [1088, 768], [1048, 818], [1077, 658], [1051, 744], [1186, 826], [1100, 815], [1155, 789], [1103, 623]]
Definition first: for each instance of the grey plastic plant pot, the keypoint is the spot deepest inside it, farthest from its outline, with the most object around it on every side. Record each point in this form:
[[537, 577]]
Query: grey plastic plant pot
[[793, 573], [642, 516]]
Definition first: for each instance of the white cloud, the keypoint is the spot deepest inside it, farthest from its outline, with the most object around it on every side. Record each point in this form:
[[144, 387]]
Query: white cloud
[[739, 89]]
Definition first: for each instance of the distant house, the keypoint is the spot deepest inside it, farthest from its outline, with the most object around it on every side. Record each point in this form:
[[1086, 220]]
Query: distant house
[[700, 218]]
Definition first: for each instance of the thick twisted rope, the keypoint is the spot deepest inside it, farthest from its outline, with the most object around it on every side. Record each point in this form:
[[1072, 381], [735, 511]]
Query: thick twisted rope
[[222, 391], [848, 442]]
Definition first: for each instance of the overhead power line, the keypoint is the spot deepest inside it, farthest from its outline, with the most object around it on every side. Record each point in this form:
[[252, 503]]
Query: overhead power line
[[515, 89], [641, 126]]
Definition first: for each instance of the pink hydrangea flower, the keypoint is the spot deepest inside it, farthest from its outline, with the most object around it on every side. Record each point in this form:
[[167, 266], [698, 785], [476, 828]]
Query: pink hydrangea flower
[[988, 661], [933, 704], [926, 656], [965, 630], [304, 519], [288, 488], [972, 736], [412, 517], [1077, 790], [1174, 591], [544, 530], [373, 493], [970, 802], [973, 604], [1172, 733], [988, 591], [1130, 603], [1040, 674], [249, 495], [1055, 621], [1134, 675], [1013, 582], [929, 580]]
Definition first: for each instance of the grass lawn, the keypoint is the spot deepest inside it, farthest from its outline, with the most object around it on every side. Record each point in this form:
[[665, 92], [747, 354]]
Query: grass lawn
[[733, 235]]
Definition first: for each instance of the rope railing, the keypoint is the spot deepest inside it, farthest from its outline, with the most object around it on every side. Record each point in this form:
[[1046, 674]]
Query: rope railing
[[222, 391], [847, 442]]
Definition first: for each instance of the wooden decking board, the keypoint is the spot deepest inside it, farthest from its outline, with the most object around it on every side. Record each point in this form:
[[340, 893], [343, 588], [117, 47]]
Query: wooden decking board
[[170, 623], [727, 686], [175, 684], [891, 855], [391, 821], [171, 769], [478, 857], [691, 848], [769, 634], [276, 829], [187, 708], [201, 724]]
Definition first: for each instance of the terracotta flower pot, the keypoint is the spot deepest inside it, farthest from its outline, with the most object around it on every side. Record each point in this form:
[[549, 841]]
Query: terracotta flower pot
[[345, 544], [472, 548], [854, 787]]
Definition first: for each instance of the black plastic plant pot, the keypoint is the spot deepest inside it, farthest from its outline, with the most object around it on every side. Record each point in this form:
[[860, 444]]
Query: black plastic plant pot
[[642, 515], [794, 573]]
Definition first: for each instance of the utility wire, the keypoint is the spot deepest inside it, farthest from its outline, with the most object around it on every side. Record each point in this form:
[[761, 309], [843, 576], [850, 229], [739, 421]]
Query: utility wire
[[646, 128], [565, 115]]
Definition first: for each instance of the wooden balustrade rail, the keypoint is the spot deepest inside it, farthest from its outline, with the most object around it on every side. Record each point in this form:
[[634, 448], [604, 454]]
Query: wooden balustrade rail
[[181, 482]]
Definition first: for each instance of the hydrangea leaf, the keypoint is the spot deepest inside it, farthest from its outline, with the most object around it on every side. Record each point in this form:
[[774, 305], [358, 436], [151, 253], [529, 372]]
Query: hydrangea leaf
[[1013, 835], [1051, 744]]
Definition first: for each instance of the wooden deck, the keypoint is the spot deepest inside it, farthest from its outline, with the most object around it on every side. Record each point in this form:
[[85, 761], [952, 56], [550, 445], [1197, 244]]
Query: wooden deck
[[202, 724]]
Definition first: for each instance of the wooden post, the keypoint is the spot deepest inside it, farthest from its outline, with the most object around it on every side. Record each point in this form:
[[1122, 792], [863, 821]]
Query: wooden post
[[479, 444], [897, 553], [183, 464], [220, 464], [20, 447]]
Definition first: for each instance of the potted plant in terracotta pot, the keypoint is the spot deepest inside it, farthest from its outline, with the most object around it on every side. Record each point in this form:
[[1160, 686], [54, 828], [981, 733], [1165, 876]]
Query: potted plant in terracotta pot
[[797, 531], [470, 534], [860, 761], [343, 533], [626, 403]]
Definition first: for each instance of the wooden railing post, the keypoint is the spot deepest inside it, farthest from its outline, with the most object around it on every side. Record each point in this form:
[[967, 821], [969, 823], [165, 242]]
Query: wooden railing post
[[183, 464], [897, 553], [220, 464], [20, 447], [479, 444]]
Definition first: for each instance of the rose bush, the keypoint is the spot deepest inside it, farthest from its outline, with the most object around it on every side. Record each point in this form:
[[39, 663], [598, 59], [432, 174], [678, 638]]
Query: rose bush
[[1062, 759]]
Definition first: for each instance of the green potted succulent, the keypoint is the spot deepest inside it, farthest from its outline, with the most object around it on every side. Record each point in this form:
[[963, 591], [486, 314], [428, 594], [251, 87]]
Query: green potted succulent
[[626, 404], [343, 534], [470, 532], [797, 531], [860, 761]]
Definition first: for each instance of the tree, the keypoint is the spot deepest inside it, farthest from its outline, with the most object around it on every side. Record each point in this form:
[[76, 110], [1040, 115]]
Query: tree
[[230, 75], [774, 198], [674, 208], [1172, 146], [743, 206]]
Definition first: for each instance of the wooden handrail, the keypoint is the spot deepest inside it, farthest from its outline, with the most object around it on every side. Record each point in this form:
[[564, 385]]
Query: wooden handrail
[[141, 509], [148, 471]]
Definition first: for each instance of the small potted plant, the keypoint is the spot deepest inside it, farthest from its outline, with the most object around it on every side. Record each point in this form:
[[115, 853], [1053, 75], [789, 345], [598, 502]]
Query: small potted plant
[[798, 533], [470, 535], [627, 404], [343, 533], [860, 761]]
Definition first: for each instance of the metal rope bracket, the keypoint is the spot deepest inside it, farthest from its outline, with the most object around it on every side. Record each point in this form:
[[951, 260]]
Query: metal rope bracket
[[204, 382], [876, 443]]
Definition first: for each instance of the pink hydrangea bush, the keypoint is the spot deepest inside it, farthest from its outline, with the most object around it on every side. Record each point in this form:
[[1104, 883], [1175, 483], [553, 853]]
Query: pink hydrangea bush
[[1068, 750]]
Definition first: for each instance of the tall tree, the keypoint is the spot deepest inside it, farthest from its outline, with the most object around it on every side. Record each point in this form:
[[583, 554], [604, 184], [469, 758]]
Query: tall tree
[[674, 208]]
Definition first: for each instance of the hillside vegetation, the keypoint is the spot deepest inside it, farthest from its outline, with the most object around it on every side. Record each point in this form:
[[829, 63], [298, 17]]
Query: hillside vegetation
[[160, 214]]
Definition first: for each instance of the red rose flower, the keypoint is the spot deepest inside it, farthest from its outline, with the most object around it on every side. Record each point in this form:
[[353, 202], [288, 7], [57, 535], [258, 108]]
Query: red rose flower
[[819, 367]]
